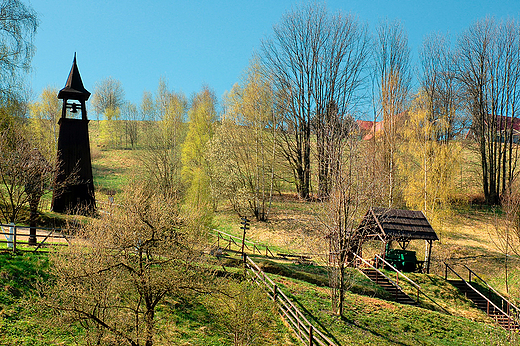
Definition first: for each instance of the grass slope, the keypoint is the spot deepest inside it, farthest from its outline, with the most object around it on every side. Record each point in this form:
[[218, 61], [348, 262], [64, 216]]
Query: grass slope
[[372, 321], [179, 320]]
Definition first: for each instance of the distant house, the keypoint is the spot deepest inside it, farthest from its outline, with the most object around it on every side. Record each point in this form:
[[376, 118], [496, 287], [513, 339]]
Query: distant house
[[504, 125], [368, 129]]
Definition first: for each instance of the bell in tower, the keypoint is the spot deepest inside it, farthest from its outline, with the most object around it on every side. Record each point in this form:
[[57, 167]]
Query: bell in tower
[[74, 189]]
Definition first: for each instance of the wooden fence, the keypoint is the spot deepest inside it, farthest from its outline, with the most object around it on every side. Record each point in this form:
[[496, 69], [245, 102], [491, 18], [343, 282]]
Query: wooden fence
[[15, 235], [305, 331], [225, 241]]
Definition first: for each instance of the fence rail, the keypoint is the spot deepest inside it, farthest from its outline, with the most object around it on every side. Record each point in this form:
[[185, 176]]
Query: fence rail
[[305, 331], [507, 306], [489, 303], [16, 235], [225, 241], [419, 291]]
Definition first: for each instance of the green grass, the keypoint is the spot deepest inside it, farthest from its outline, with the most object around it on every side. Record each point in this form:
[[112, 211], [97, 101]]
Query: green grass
[[21, 321], [293, 227], [371, 321], [179, 320], [112, 169]]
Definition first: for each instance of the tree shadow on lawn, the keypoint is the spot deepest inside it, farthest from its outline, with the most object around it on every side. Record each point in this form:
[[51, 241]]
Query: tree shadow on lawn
[[344, 319]]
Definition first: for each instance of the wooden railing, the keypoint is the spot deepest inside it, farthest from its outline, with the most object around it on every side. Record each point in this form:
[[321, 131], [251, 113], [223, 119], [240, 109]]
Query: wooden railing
[[379, 259], [509, 307], [489, 303], [370, 265], [225, 241], [413, 283], [13, 234], [304, 330]]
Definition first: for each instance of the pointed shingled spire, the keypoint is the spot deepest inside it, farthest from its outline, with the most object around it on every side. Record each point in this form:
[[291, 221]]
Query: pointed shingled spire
[[74, 88]]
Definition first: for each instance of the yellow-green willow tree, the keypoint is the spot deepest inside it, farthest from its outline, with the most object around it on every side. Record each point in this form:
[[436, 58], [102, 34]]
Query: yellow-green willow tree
[[428, 165], [201, 121]]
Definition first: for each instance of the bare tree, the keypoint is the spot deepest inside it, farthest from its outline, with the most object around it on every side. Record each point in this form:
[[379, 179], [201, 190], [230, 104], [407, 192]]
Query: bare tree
[[440, 84], [24, 174], [112, 278], [392, 77], [506, 233], [489, 69], [161, 157], [131, 120], [108, 95], [315, 60], [18, 24], [245, 312], [351, 196]]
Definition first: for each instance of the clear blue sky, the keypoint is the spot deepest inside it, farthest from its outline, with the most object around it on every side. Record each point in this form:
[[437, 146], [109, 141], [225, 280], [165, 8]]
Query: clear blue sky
[[191, 43]]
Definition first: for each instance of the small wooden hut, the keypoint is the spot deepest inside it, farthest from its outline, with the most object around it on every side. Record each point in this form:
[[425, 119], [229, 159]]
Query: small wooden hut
[[401, 226]]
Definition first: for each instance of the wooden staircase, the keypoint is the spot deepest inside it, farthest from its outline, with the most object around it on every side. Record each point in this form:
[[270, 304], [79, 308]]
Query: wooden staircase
[[395, 291], [501, 315]]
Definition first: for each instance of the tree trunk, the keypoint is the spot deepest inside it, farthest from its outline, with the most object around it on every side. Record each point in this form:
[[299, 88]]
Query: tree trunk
[[33, 218], [149, 326]]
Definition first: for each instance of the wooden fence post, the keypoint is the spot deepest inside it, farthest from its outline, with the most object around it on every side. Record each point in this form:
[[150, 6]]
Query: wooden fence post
[[311, 337], [14, 239], [245, 227]]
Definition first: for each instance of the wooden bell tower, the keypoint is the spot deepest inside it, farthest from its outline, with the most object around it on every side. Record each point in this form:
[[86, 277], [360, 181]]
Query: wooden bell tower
[[74, 191]]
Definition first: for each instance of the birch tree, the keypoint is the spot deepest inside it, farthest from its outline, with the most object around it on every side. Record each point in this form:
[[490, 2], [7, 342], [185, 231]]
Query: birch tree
[[392, 77], [18, 24]]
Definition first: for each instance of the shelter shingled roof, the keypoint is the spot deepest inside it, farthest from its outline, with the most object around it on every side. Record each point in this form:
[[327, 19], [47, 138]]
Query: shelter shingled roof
[[397, 224]]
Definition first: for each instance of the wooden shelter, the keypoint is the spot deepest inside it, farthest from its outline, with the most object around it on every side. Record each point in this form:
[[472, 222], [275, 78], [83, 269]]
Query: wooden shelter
[[401, 226]]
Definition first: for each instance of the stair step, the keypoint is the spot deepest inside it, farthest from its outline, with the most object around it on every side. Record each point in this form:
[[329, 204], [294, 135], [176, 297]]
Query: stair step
[[384, 283], [483, 304]]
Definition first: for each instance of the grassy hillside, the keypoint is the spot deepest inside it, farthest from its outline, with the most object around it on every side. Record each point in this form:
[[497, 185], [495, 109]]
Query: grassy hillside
[[25, 321], [466, 237]]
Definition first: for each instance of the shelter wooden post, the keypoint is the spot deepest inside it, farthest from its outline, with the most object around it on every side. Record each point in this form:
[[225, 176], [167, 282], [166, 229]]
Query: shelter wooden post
[[428, 254]]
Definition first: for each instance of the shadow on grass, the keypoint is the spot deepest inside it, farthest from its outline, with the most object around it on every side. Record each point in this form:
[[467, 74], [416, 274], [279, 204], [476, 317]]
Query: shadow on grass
[[344, 319]]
